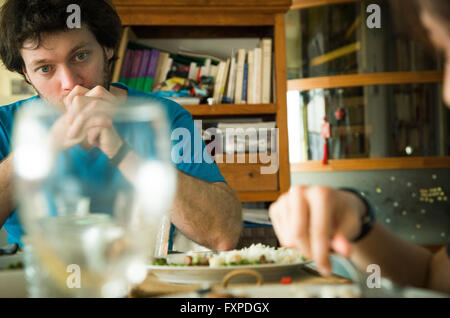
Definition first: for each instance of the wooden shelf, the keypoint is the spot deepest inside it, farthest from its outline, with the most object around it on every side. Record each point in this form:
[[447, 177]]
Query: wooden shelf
[[218, 19], [304, 4], [231, 109], [200, 12], [373, 164], [354, 80]]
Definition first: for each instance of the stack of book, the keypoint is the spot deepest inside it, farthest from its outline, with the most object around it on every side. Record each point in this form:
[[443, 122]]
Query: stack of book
[[192, 78]]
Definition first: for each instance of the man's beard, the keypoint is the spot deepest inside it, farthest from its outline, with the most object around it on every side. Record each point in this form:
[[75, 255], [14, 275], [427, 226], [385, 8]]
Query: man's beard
[[106, 80]]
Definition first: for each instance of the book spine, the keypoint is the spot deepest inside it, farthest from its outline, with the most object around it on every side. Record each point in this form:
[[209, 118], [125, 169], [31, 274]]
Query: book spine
[[257, 73], [167, 68], [266, 69], [224, 80], [231, 80], [163, 56], [206, 69], [149, 77], [218, 82], [245, 83], [239, 76], [137, 57], [124, 74], [250, 77], [192, 71], [143, 70]]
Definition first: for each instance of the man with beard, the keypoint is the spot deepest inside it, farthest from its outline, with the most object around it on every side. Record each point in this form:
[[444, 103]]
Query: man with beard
[[70, 70]]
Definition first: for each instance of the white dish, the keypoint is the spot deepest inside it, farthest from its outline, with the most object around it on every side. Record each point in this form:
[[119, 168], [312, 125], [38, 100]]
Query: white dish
[[215, 275]]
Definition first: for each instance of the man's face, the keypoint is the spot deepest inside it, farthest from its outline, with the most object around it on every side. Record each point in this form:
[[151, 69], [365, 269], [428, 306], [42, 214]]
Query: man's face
[[64, 60]]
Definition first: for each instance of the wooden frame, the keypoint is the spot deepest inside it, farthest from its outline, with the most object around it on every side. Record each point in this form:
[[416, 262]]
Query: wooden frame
[[231, 109], [372, 164], [353, 80], [303, 4], [208, 18]]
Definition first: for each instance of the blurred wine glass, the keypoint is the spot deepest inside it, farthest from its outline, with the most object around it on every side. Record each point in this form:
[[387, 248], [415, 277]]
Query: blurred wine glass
[[90, 229]]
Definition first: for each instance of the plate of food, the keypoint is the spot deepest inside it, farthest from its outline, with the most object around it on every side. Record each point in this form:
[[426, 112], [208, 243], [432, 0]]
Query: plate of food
[[269, 263]]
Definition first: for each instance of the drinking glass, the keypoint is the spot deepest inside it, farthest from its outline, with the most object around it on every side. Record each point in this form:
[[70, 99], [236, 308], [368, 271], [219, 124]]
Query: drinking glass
[[90, 227]]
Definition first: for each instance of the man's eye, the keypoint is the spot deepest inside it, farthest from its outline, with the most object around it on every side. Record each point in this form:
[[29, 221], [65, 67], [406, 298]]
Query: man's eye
[[44, 69], [81, 56]]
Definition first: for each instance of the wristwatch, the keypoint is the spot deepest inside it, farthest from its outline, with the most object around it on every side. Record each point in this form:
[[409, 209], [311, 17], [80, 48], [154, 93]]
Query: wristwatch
[[121, 153], [367, 220]]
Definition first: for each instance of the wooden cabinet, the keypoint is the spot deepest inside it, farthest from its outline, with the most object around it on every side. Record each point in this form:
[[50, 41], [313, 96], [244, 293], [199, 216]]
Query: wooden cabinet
[[378, 88], [217, 19]]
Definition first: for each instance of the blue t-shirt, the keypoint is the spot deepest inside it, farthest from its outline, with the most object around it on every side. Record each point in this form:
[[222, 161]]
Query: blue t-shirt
[[92, 164]]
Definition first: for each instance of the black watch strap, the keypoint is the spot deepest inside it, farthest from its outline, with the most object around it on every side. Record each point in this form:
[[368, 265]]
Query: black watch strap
[[121, 153], [368, 220]]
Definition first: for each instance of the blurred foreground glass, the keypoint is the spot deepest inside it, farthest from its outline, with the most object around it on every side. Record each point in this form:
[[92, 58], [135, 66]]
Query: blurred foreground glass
[[90, 231]]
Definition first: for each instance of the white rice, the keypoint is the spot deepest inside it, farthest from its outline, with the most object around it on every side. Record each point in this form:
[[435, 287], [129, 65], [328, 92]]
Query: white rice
[[254, 252]]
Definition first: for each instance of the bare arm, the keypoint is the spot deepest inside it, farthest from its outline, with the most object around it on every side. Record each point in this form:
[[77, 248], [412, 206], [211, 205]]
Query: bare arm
[[399, 260], [6, 189], [316, 220], [207, 213]]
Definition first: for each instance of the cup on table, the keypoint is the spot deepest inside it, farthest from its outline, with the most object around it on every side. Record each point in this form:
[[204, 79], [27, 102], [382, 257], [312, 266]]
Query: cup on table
[[90, 227]]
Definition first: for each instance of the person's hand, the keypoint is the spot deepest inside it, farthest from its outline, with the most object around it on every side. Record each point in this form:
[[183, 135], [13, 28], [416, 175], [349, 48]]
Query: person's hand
[[88, 120], [315, 220]]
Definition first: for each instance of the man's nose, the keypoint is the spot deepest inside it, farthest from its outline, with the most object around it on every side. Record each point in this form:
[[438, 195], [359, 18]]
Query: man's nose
[[69, 79]]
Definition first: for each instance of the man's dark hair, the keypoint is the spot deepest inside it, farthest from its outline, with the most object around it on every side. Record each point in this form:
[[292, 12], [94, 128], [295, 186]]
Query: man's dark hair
[[22, 20]]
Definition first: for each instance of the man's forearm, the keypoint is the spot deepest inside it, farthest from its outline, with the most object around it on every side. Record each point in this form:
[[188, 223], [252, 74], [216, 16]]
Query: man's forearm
[[401, 261], [6, 189], [208, 213]]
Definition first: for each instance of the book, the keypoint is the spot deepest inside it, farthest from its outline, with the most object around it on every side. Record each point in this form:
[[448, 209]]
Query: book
[[213, 71], [218, 82], [229, 94], [126, 67], [136, 62], [245, 83], [224, 80], [250, 75], [160, 69], [257, 76], [206, 69], [140, 84], [151, 70], [192, 74], [166, 67], [240, 61], [266, 45]]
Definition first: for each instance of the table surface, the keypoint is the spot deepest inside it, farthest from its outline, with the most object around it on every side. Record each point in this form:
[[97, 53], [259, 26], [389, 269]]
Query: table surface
[[152, 286]]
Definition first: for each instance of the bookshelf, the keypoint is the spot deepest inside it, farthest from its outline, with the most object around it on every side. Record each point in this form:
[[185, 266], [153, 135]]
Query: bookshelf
[[380, 73], [215, 20]]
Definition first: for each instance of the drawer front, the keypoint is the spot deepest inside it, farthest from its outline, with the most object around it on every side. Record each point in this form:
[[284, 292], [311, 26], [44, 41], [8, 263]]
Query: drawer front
[[248, 177]]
